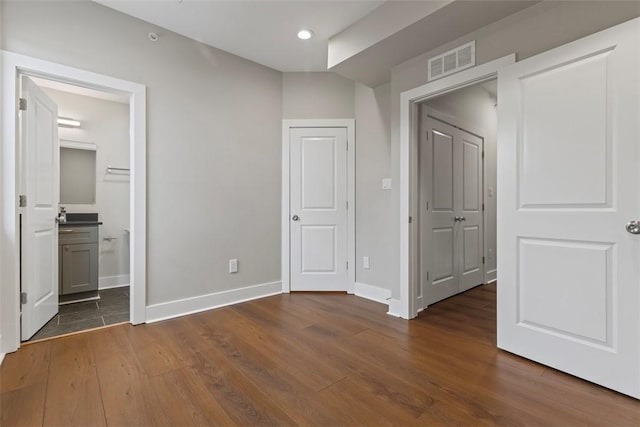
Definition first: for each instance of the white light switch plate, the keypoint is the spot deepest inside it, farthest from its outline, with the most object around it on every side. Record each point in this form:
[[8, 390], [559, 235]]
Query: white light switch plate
[[386, 183], [365, 262], [233, 265]]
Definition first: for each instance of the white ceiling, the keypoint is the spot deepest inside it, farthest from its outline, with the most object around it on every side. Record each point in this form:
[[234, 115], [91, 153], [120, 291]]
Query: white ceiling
[[262, 31]]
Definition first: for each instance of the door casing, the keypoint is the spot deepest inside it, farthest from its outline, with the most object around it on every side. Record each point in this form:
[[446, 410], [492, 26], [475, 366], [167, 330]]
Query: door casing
[[409, 100], [349, 124], [13, 66]]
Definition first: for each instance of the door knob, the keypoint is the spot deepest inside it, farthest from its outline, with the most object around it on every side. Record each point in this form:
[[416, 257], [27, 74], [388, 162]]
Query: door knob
[[633, 227], [295, 218], [459, 218]]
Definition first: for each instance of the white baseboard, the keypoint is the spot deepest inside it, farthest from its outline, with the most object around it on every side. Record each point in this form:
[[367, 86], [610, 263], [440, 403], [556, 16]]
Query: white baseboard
[[492, 276], [169, 310], [108, 282], [373, 293], [394, 307]]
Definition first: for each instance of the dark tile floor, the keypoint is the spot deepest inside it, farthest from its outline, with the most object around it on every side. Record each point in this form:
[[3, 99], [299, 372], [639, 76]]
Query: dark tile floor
[[112, 307]]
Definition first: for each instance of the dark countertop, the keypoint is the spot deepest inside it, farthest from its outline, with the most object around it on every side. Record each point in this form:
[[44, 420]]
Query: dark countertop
[[80, 223]]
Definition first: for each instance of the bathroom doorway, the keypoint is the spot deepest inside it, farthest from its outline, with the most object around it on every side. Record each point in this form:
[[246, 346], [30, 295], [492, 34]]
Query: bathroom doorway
[[18, 296], [93, 210]]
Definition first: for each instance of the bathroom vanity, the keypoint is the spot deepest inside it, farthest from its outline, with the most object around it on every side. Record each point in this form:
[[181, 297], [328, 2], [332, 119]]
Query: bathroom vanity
[[78, 254]]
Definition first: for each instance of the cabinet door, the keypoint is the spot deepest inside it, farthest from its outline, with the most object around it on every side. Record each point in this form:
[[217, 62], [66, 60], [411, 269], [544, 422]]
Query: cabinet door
[[79, 268]]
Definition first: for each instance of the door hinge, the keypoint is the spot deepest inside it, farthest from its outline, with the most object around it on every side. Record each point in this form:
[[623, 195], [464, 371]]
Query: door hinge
[[347, 265], [23, 298], [22, 201], [347, 145], [483, 154], [22, 104], [483, 206], [427, 205], [427, 275], [483, 260], [410, 220], [347, 205]]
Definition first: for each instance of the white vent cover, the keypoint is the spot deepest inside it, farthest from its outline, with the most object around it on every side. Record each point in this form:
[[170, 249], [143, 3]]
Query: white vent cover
[[452, 61]]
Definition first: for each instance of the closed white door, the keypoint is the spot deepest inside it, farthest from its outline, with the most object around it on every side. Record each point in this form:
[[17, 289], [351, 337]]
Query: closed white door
[[568, 162], [40, 184], [318, 209], [450, 209]]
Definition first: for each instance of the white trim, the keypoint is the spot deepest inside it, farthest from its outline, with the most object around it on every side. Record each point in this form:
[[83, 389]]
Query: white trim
[[350, 124], [470, 76], [183, 307], [12, 65], [395, 307], [492, 276], [373, 293], [108, 282], [1, 353]]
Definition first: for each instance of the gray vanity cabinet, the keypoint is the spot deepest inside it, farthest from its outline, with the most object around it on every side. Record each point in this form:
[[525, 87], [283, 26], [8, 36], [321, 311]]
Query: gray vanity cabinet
[[78, 257]]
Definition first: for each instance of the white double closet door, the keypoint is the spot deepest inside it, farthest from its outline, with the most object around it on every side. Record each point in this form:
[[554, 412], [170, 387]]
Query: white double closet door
[[451, 217]]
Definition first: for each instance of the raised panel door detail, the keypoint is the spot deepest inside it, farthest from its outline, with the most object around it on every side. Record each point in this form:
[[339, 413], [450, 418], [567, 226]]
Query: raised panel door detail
[[45, 154], [472, 180], [318, 173], [442, 180], [79, 268], [471, 249], [443, 260], [43, 265], [318, 249], [553, 136], [560, 277]]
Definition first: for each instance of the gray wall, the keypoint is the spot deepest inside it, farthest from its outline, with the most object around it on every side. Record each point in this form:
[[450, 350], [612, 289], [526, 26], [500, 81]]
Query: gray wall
[[373, 204], [105, 124], [213, 141], [534, 30], [317, 96], [473, 108]]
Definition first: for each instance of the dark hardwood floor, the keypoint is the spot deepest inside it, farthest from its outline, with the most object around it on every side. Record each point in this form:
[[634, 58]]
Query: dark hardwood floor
[[305, 359]]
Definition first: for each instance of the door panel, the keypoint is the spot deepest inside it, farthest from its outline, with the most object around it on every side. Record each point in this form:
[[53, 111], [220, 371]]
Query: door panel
[[451, 186], [568, 271], [40, 184], [442, 181], [318, 184]]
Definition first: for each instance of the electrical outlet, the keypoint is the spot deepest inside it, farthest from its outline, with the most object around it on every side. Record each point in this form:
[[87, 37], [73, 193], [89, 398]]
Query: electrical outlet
[[386, 183], [490, 253], [365, 262], [233, 265], [490, 191]]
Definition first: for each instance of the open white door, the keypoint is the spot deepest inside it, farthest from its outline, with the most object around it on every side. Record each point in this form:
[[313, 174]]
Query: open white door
[[318, 209], [568, 175], [40, 185]]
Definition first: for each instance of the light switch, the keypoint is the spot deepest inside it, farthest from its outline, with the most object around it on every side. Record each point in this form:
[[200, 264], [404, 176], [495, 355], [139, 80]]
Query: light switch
[[386, 183], [233, 265], [490, 191], [365, 262]]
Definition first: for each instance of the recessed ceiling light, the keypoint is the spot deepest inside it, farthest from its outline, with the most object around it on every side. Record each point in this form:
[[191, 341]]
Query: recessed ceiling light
[[305, 34]]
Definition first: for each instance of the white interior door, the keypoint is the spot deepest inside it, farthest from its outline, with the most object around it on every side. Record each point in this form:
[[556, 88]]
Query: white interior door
[[40, 184], [568, 162], [318, 204], [451, 226]]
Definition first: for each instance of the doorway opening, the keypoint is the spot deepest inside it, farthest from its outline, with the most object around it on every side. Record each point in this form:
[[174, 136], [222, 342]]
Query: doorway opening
[[456, 215], [93, 210], [15, 68]]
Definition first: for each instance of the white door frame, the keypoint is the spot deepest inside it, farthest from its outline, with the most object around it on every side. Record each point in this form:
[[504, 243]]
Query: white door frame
[[408, 307], [14, 65], [349, 124]]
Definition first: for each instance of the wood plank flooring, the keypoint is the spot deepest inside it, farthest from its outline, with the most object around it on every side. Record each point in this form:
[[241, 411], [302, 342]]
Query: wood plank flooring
[[300, 359]]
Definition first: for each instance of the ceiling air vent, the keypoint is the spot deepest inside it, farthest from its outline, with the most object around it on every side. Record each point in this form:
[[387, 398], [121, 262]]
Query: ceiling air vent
[[452, 61]]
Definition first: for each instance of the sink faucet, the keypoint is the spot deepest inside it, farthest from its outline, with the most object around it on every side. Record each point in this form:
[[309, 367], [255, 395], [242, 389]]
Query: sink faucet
[[62, 216]]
